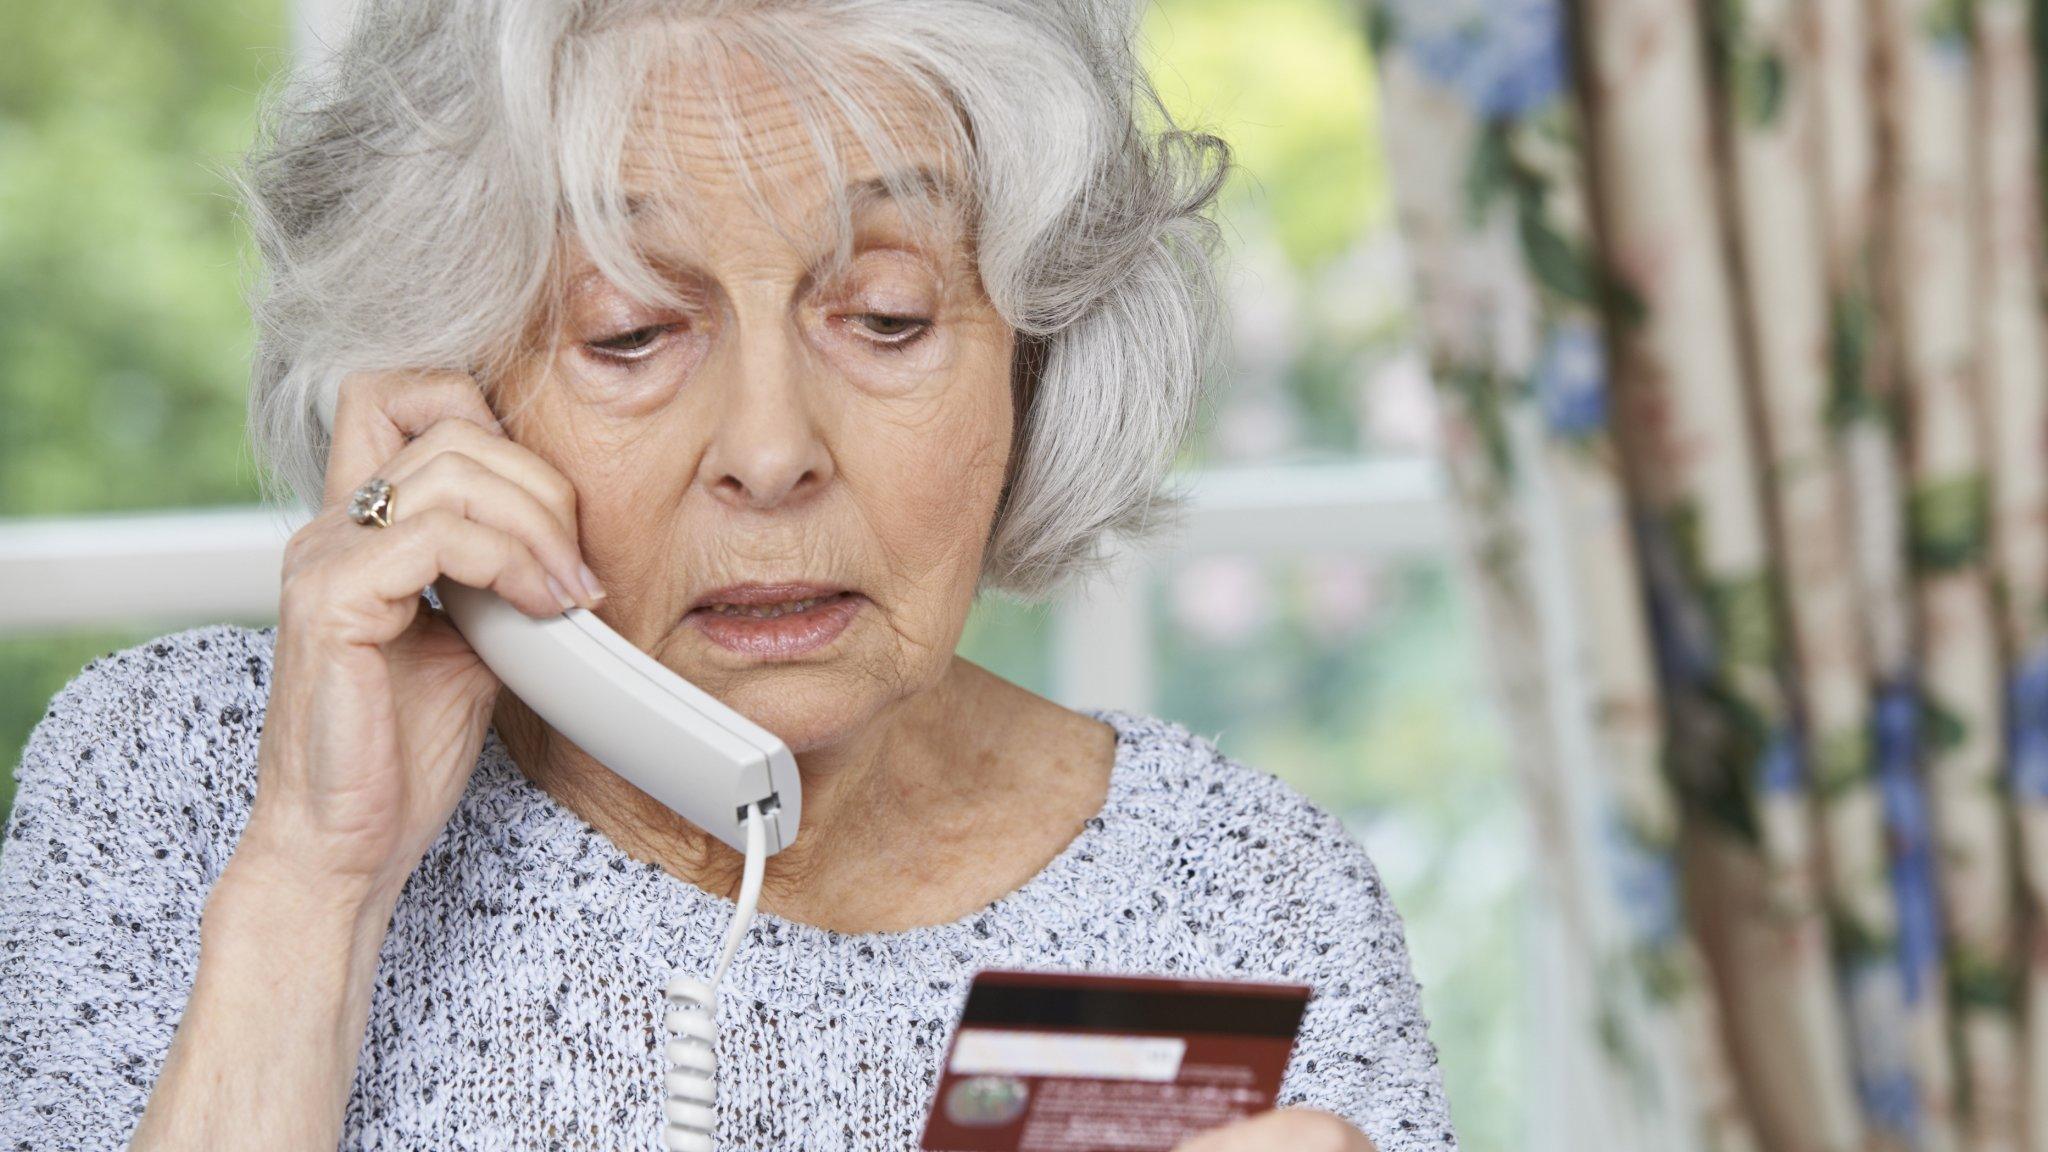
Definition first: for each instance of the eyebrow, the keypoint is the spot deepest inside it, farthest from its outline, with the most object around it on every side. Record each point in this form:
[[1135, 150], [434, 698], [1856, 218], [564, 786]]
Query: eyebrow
[[685, 254]]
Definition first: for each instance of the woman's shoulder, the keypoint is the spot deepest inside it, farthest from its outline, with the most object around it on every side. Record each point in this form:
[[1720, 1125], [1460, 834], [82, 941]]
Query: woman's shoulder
[[122, 818], [157, 741], [210, 662], [1264, 865], [1279, 889], [200, 691], [1233, 801]]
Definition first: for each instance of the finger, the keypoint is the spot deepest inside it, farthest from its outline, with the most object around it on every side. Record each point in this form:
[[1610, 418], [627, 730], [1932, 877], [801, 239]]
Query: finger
[[500, 453], [377, 413], [394, 563], [361, 585], [1300, 1129], [458, 482]]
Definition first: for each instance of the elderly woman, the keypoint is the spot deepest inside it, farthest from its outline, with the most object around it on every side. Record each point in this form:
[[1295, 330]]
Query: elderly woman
[[774, 333]]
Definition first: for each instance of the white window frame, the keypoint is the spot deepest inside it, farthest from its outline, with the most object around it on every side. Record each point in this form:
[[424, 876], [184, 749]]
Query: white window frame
[[175, 569]]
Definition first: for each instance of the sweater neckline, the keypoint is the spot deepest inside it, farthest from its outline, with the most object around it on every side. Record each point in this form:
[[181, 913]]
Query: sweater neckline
[[1091, 884]]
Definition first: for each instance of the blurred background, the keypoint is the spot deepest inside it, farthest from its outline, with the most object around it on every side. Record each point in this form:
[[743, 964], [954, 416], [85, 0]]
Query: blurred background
[[1627, 508]]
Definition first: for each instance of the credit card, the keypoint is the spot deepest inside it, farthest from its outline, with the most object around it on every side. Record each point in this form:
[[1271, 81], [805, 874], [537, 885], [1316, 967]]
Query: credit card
[[1079, 1062]]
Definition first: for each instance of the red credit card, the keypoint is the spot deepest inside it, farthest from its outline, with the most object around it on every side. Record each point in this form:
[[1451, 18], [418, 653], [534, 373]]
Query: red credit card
[[1077, 1062]]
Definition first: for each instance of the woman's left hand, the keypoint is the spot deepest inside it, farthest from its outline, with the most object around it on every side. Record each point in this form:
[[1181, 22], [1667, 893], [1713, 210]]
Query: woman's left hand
[[1283, 1130]]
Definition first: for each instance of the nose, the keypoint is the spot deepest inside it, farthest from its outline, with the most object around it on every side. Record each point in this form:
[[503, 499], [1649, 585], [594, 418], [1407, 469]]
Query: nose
[[766, 447]]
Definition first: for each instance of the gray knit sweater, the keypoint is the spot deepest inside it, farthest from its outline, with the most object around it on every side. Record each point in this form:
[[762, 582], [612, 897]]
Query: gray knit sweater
[[517, 996]]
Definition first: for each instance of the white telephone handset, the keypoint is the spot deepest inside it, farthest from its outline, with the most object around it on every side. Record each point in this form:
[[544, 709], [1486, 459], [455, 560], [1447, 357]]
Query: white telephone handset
[[670, 739], [663, 734]]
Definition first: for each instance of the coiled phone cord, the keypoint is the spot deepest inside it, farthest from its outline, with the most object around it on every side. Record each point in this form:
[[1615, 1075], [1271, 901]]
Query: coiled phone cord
[[689, 1115]]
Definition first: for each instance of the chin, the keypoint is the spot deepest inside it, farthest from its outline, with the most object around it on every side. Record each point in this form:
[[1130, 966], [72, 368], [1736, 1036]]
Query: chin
[[803, 717], [813, 699]]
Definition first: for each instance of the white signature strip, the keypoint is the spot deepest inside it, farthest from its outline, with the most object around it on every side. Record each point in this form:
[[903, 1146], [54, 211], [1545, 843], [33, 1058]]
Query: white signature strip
[[1021, 1053]]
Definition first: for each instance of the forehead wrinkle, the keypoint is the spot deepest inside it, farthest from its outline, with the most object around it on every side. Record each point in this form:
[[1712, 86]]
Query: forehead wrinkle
[[861, 195], [735, 103], [735, 117], [683, 249]]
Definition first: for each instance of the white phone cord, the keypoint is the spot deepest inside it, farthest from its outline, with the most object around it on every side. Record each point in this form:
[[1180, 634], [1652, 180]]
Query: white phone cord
[[689, 1115]]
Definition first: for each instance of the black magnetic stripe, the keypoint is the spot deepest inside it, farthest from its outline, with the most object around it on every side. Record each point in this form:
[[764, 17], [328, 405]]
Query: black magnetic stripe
[[1117, 1010]]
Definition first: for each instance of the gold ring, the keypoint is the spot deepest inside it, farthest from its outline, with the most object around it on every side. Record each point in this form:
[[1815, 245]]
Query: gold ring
[[371, 504]]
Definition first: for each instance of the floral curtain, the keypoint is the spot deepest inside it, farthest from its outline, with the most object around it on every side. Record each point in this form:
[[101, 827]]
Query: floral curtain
[[1736, 316]]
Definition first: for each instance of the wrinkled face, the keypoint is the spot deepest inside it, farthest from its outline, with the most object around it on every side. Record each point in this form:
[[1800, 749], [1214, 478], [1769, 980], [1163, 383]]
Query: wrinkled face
[[850, 429]]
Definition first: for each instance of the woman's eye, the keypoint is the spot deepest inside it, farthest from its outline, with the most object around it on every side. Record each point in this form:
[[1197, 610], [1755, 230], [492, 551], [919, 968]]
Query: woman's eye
[[632, 345], [900, 330]]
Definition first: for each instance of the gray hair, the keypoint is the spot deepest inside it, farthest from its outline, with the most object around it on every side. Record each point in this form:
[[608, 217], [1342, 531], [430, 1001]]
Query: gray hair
[[410, 200]]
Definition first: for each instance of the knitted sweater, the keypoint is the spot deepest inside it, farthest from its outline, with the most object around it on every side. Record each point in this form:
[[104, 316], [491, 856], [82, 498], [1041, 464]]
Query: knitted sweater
[[517, 998]]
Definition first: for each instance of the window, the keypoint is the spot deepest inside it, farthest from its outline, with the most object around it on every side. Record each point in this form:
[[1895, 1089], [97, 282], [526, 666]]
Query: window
[[122, 332]]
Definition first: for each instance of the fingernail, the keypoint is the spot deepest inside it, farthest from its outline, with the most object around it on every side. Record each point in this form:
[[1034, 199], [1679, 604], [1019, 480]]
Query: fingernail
[[590, 584], [561, 593]]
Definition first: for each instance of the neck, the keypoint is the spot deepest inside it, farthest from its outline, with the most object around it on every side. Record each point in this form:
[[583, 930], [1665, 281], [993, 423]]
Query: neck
[[861, 793]]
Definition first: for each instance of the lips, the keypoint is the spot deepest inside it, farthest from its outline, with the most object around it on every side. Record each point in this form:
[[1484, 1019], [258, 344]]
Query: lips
[[764, 595], [785, 628], [769, 611]]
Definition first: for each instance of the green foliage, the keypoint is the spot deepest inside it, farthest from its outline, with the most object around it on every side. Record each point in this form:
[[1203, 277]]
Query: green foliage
[[1478, 392], [1850, 316], [1942, 729], [1759, 87], [1977, 981], [1753, 79], [1290, 84], [123, 339], [1663, 973], [1949, 522], [1489, 171], [1623, 305], [1716, 741], [1745, 619], [1856, 940], [1947, 21], [1561, 268], [1841, 761], [1563, 263]]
